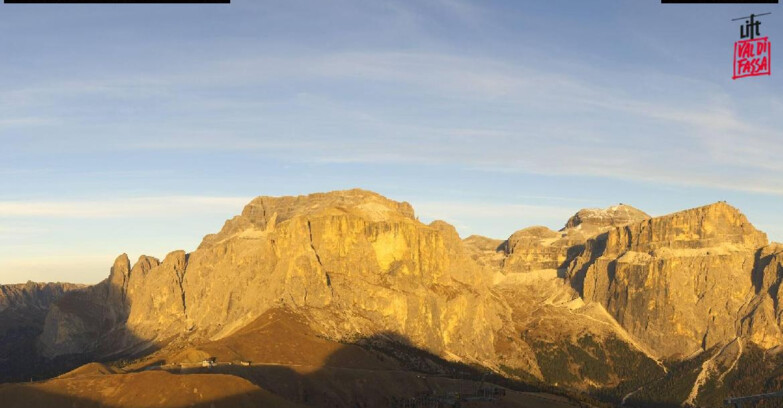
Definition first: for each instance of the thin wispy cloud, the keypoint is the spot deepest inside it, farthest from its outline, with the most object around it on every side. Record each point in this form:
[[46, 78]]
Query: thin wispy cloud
[[151, 207], [528, 142]]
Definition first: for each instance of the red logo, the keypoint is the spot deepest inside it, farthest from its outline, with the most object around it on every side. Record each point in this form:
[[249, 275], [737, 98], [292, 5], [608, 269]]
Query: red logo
[[752, 58], [751, 54]]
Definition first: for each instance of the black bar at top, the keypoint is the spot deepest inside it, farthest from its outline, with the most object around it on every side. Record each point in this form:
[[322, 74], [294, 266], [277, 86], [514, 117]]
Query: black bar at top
[[719, 1], [117, 1]]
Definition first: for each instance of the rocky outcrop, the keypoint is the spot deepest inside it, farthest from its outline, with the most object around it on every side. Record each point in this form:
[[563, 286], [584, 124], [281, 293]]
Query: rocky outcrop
[[679, 282], [536, 248], [157, 298], [596, 220]]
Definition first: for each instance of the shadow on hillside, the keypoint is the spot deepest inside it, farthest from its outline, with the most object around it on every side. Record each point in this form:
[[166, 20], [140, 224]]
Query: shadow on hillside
[[21, 355], [399, 374], [32, 397], [346, 378], [19, 359]]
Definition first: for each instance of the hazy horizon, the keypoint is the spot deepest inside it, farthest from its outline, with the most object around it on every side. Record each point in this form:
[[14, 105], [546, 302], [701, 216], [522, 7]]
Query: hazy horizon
[[454, 210]]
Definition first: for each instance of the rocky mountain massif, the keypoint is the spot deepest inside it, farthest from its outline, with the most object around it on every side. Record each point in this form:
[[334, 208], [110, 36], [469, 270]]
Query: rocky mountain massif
[[23, 310], [617, 307]]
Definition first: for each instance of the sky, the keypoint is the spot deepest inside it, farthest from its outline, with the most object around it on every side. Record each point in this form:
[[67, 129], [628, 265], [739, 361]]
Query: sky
[[141, 128]]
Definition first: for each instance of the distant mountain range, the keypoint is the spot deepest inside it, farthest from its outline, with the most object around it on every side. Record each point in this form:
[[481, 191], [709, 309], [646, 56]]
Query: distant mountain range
[[346, 299]]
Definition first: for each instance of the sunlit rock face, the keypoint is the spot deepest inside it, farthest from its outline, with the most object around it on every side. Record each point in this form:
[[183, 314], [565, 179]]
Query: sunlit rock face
[[155, 297], [595, 220], [680, 282], [354, 261], [536, 248]]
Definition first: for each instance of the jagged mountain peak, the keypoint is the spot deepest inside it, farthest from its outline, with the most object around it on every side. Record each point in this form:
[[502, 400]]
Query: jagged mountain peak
[[121, 264]]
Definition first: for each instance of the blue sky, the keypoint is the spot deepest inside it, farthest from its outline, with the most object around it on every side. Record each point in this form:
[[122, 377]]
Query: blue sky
[[140, 129]]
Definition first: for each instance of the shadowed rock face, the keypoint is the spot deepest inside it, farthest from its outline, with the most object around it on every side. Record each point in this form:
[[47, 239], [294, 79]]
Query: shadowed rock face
[[762, 317], [32, 296], [23, 309]]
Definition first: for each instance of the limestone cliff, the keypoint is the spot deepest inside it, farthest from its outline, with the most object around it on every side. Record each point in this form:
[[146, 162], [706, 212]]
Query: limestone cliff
[[678, 282], [355, 262], [536, 248]]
